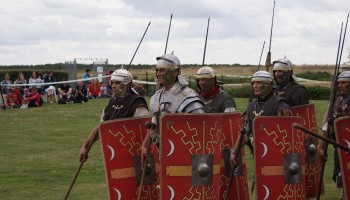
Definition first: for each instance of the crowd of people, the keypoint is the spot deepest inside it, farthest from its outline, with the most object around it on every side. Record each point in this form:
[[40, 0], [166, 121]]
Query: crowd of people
[[38, 90]]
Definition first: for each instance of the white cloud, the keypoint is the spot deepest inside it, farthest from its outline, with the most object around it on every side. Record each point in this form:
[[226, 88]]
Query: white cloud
[[50, 31]]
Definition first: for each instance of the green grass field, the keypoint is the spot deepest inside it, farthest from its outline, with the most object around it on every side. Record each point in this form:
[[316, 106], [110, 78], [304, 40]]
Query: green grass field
[[39, 152]]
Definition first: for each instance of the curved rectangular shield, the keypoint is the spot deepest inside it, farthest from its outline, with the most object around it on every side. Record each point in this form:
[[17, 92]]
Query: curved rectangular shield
[[279, 158], [232, 124], [121, 141], [313, 162], [342, 134], [190, 156]]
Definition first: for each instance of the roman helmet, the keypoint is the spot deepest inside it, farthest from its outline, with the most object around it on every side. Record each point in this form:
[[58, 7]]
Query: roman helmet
[[170, 62], [344, 76], [266, 78], [124, 77], [285, 66], [206, 73]]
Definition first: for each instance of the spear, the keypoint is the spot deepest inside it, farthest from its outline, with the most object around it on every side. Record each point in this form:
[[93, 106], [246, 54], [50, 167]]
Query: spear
[[205, 44], [127, 68], [167, 38], [262, 50], [268, 57]]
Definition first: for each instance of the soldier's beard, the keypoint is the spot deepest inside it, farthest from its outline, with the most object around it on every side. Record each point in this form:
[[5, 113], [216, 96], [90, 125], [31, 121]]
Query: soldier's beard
[[265, 89], [168, 78], [283, 79]]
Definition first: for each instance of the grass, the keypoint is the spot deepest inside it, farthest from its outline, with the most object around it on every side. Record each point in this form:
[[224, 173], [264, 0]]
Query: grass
[[39, 152]]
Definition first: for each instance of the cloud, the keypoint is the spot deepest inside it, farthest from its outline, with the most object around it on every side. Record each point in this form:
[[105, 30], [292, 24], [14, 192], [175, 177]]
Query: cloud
[[50, 31]]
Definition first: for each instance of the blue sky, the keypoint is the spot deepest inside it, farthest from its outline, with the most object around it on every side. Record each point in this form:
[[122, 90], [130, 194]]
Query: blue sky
[[51, 31]]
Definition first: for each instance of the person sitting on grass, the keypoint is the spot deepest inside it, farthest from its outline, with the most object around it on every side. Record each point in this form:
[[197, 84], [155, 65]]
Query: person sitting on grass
[[32, 100], [94, 89], [79, 95], [64, 92], [11, 99]]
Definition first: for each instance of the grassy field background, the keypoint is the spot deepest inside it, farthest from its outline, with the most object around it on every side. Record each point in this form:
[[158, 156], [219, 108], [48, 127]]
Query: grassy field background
[[39, 152]]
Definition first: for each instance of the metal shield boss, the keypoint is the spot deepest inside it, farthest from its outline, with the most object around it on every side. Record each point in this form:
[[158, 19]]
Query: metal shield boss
[[190, 156], [121, 141], [313, 163], [342, 134], [279, 158], [232, 124]]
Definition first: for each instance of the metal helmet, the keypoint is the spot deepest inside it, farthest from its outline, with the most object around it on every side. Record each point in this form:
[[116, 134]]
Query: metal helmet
[[169, 61], [344, 67], [122, 75], [262, 76], [205, 72], [282, 64], [344, 76]]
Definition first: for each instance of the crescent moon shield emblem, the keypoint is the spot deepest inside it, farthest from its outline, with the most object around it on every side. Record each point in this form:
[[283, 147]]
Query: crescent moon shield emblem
[[172, 148], [265, 149], [347, 143], [112, 152], [118, 192], [172, 192], [267, 192]]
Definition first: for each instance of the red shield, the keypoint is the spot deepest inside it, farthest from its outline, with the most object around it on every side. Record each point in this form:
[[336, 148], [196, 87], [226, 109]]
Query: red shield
[[232, 124], [313, 163], [190, 156], [121, 141], [342, 133], [279, 158]]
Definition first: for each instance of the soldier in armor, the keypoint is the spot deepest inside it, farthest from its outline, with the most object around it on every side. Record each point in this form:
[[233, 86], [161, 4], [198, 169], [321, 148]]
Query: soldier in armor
[[125, 102], [287, 88], [215, 100], [174, 96], [266, 104], [341, 109]]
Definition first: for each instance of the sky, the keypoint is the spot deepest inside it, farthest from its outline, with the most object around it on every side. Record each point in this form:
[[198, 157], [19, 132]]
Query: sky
[[52, 31]]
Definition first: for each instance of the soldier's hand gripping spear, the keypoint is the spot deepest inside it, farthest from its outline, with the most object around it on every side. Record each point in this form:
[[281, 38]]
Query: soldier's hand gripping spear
[[331, 105], [234, 163], [144, 158]]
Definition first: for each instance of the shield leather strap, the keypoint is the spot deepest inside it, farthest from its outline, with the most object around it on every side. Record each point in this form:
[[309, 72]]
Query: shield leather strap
[[279, 158], [121, 141], [190, 156], [232, 124], [342, 134], [313, 163]]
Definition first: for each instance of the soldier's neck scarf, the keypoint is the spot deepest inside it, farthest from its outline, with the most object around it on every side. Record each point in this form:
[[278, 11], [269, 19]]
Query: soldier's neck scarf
[[214, 91]]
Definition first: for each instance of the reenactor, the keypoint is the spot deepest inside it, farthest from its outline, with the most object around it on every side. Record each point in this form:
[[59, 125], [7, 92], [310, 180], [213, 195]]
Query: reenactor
[[287, 88], [124, 103]]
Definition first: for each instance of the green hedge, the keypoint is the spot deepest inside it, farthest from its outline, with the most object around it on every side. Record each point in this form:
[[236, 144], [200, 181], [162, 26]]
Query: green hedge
[[315, 92]]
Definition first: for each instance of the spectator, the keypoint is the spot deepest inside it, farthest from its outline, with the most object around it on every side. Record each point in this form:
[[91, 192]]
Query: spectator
[[6, 80], [32, 100], [64, 92], [104, 91], [94, 89], [35, 79], [21, 80], [11, 99], [79, 95], [86, 75], [50, 78], [18, 94]]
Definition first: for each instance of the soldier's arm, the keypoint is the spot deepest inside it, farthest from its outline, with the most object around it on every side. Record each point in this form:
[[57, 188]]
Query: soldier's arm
[[301, 96], [84, 151]]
